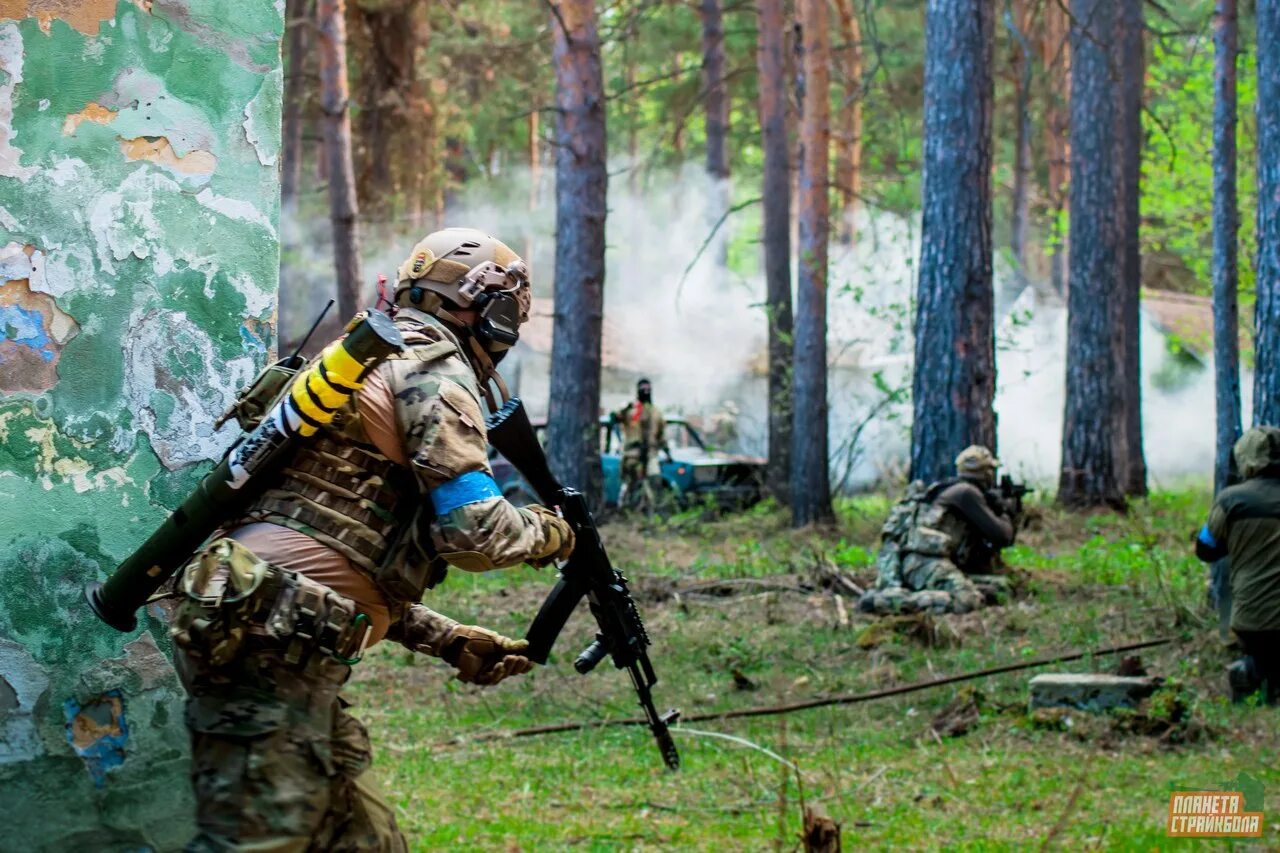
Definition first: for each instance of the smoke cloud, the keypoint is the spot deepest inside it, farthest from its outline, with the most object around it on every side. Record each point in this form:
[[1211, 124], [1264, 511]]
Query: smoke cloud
[[685, 309]]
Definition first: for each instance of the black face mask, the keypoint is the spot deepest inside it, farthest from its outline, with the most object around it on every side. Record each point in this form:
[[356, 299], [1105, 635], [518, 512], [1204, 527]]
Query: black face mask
[[644, 394]]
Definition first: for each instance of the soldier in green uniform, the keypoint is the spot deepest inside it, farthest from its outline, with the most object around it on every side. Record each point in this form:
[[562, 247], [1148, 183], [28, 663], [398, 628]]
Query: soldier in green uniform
[[939, 535], [335, 556], [644, 435], [1244, 524]]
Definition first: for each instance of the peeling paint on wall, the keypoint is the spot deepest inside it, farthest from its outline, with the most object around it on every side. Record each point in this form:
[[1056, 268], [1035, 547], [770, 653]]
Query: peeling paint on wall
[[98, 732], [138, 263]]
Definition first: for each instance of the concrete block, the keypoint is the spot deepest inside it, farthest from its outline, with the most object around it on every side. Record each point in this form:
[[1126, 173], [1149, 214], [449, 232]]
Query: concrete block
[[1089, 691]]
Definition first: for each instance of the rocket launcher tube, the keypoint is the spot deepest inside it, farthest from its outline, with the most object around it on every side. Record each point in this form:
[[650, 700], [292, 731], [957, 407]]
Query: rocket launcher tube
[[227, 489]]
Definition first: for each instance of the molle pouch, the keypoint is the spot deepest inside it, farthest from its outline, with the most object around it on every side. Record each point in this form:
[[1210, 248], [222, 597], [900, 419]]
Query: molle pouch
[[218, 588], [411, 565], [888, 566], [928, 541]]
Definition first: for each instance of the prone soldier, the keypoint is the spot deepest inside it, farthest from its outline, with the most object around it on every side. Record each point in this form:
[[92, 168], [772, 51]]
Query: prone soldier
[[335, 555], [939, 535]]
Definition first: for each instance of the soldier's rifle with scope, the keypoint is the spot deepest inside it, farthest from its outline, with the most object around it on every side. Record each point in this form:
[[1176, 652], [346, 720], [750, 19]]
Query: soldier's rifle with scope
[[588, 574]]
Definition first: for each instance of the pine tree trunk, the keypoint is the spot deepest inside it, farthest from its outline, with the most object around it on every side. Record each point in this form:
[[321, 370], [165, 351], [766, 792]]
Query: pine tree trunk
[[1266, 377], [771, 60], [716, 97], [295, 92], [849, 135], [1019, 21], [1089, 435], [343, 210], [1130, 61], [810, 479], [1226, 229], [954, 384], [1055, 60], [581, 187]]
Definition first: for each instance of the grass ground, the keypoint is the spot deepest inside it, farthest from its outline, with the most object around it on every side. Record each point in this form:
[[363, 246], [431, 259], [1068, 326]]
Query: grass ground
[[878, 767]]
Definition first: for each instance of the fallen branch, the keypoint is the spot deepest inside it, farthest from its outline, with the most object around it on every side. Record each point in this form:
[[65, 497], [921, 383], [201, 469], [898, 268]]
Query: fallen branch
[[727, 586], [771, 710]]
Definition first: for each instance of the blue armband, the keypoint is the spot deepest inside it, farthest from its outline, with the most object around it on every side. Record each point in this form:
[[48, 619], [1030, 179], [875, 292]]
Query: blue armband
[[1207, 538], [471, 488]]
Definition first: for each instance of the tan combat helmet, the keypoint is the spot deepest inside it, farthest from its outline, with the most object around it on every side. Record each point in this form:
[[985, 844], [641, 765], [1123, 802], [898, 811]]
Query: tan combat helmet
[[462, 269], [977, 461], [450, 268], [1256, 450]]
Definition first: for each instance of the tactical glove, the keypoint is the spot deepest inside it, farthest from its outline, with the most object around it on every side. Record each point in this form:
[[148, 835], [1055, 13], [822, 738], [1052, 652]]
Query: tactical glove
[[559, 537], [482, 656], [420, 629]]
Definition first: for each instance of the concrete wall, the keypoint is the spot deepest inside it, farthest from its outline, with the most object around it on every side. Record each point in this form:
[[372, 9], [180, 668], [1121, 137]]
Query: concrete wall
[[138, 252]]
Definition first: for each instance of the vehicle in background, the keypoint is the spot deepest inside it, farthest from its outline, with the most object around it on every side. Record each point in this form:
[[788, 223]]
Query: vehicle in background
[[692, 475]]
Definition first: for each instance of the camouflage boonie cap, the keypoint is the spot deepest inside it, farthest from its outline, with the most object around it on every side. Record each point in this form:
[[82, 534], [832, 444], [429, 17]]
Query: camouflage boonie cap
[[1258, 448], [976, 459]]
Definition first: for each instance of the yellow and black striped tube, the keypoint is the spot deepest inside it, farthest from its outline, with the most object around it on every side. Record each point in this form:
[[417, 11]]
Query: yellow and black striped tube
[[320, 391], [315, 397]]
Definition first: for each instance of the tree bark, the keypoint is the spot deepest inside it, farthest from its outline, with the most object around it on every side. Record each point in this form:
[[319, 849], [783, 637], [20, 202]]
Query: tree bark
[[1089, 477], [1055, 60], [716, 97], [1226, 229], [1266, 377], [771, 61], [954, 383], [1018, 22], [295, 92], [343, 210], [581, 190], [1131, 63], [849, 134], [810, 479], [387, 76]]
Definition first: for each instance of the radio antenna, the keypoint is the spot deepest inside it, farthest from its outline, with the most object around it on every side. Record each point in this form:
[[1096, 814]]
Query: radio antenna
[[312, 331]]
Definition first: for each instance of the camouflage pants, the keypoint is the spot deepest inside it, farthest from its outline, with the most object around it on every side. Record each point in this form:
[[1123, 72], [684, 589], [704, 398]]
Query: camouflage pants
[[278, 764], [922, 583]]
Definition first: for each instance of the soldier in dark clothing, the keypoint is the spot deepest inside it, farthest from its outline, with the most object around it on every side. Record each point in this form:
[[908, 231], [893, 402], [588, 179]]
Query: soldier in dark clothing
[[940, 534], [1244, 524]]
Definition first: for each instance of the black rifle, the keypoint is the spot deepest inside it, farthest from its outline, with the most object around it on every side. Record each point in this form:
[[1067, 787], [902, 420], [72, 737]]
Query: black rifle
[[1012, 493], [587, 574]]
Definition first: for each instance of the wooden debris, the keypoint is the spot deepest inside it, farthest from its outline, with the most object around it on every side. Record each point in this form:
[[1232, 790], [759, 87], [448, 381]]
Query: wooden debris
[[821, 833], [959, 716]]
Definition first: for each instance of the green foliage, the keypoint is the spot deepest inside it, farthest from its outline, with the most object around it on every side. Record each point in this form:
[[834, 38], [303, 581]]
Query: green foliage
[[1177, 171]]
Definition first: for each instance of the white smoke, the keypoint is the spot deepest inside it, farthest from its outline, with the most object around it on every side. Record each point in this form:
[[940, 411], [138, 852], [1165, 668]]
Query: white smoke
[[675, 313]]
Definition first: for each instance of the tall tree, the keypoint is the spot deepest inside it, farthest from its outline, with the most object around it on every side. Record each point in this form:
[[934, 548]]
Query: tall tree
[[386, 94], [1226, 227], [1130, 63], [295, 89], [1055, 60], [1017, 20], [1266, 377], [1096, 264], [954, 383], [771, 61], [343, 211], [810, 478], [581, 203], [849, 132], [716, 96]]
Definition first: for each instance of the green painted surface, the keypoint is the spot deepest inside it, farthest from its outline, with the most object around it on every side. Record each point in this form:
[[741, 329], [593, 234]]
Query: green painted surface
[[138, 269]]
